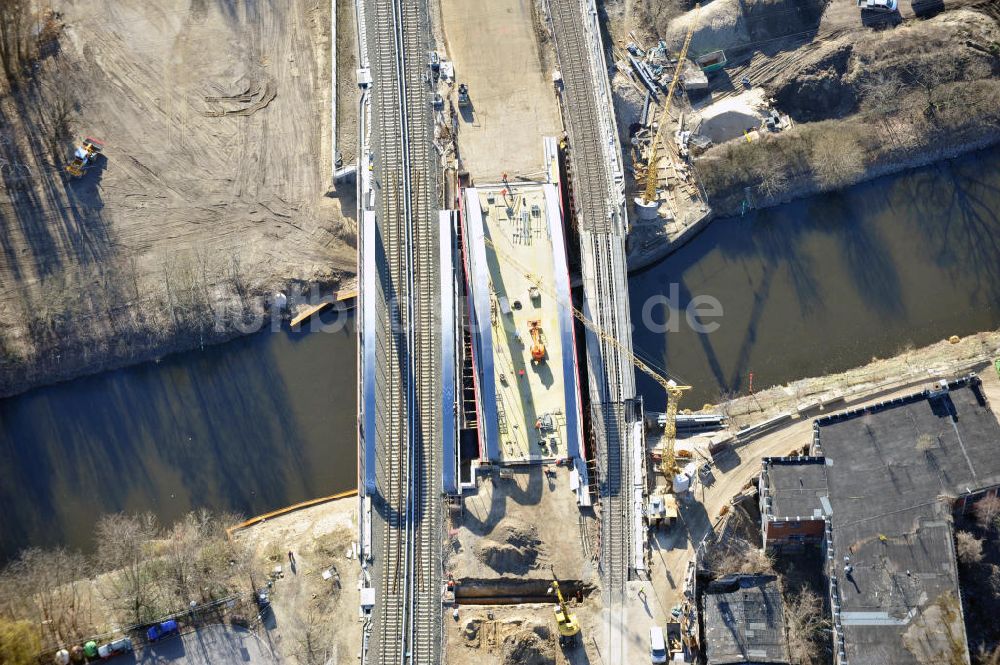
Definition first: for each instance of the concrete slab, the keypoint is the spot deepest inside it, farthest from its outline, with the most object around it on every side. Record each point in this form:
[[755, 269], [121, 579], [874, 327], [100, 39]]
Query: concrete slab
[[496, 53], [530, 394]]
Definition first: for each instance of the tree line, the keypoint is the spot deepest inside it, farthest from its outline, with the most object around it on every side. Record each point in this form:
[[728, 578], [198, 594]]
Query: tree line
[[140, 571], [24, 35]]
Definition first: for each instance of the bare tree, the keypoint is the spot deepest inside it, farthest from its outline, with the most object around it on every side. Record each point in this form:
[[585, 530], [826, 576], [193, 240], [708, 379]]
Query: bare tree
[[736, 555], [773, 182], [124, 549], [314, 648], [987, 512], [805, 623], [882, 92], [183, 543], [927, 75], [968, 548], [50, 588], [19, 642], [837, 158]]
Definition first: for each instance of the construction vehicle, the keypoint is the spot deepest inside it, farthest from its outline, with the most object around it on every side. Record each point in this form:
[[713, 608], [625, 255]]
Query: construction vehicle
[[566, 622], [661, 509], [537, 344], [84, 156], [463, 95], [652, 164]]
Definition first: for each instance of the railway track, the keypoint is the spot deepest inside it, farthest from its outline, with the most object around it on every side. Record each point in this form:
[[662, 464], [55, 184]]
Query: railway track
[[406, 626], [581, 116], [600, 216]]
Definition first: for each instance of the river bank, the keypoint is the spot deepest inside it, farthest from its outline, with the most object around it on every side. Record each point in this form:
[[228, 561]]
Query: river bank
[[85, 346], [915, 367], [860, 99], [651, 244], [259, 422], [212, 192]]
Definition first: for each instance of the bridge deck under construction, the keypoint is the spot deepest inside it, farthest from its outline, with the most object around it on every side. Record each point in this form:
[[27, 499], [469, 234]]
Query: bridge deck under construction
[[520, 297]]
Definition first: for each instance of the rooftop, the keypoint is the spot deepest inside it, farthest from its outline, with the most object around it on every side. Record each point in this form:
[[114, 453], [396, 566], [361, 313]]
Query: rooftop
[[890, 469], [797, 487], [743, 617]]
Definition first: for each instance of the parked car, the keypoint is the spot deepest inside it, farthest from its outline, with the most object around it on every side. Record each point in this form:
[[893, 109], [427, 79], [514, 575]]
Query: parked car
[[124, 645], [161, 630]]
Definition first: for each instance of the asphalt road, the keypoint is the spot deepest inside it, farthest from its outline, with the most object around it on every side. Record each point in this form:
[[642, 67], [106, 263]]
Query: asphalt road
[[212, 645]]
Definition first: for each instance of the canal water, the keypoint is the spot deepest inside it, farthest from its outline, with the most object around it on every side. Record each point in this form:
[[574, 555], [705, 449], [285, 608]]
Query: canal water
[[248, 426], [812, 287], [826, 283]]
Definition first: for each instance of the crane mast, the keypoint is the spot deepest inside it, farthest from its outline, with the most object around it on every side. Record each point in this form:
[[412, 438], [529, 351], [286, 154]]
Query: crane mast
[[651, 164]]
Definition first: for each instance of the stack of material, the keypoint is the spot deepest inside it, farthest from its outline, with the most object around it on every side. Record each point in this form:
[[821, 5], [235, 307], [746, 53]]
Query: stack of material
[[693, 77]]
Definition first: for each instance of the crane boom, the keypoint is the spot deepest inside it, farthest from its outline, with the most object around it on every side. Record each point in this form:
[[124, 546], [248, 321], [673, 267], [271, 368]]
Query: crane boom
[[673, 389], [651, 164], [585, 320]]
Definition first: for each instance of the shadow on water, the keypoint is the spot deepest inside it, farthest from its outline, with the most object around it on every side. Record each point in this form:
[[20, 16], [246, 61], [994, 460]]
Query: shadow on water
[[246, 427], [826, 283]]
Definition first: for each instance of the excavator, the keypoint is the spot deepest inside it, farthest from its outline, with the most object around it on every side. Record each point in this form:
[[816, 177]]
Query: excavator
[[566, 622], [85, 155]]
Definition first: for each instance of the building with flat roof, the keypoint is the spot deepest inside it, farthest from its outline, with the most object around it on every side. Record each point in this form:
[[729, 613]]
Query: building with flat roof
[[882, 483], [522, 324], [743, 620], [796, 500]]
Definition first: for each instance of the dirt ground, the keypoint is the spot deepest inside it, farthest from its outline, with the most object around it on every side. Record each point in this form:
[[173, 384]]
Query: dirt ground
[[497, 53], [347, 95], [521, 635], [213, 186], [311, 615], [520, 527]]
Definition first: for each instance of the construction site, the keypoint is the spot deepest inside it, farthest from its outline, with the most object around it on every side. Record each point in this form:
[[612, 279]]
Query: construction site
[[774, 100], [539, 507], [491, 173]]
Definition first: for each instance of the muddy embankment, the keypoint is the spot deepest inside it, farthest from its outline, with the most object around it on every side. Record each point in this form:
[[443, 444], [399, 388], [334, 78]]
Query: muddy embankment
[[866, 104]]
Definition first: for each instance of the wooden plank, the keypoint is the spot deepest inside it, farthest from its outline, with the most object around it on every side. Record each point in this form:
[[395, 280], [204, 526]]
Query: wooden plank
[[310, 312], [340, 296]]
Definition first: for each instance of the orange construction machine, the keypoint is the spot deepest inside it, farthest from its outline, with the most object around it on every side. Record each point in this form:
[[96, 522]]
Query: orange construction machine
[[537, 344], [84, 156]]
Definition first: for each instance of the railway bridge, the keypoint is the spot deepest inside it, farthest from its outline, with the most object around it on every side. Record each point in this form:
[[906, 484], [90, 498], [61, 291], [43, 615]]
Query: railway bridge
[[407, 332]]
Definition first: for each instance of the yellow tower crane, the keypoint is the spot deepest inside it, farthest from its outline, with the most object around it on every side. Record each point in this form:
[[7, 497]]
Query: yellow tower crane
[[668, 461], [652, 170], [674, 391]]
